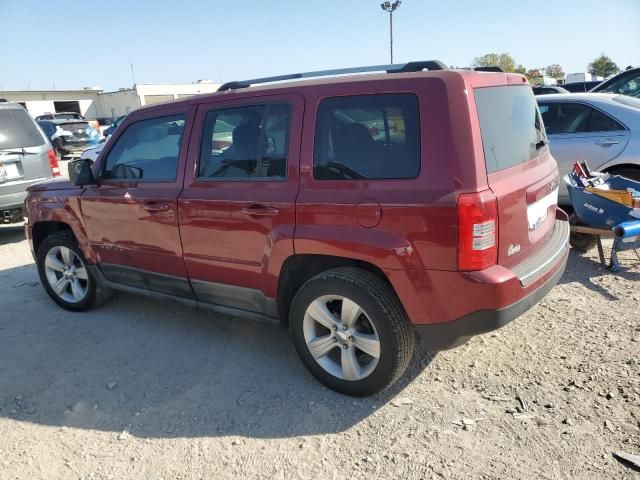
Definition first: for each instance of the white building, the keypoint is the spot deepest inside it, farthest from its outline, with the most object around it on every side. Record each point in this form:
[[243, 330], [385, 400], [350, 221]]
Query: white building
[[124, 100], [93, 102], [39, 102]]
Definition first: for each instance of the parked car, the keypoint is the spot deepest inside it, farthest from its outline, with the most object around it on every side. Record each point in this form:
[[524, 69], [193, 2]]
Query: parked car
[[625, 83], [112, 128], [26, 157], [60, 116], [341, 206], [70, 137], [581, 87], [601, 129], [549, 89]]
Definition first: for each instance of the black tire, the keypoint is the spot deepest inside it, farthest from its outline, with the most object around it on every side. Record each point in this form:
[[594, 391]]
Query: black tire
[[627, 172], [582, 242], [95, 293], [383, 311]]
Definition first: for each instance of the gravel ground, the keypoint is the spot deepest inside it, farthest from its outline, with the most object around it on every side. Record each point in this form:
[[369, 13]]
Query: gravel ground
[[145, 389]]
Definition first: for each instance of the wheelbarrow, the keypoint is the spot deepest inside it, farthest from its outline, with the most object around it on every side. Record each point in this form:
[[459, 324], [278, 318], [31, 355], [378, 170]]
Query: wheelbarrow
[[596, 217]]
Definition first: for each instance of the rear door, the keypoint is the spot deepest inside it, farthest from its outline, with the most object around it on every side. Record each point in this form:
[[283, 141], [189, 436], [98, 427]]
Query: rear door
[[520, 170], [579, 132]]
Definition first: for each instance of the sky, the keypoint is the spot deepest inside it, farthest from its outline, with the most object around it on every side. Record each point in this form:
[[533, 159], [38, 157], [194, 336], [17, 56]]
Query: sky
[[77, 43]]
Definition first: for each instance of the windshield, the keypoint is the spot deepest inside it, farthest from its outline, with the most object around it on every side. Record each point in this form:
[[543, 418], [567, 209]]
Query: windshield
[[17, 130], [625, 85], [510, 124]]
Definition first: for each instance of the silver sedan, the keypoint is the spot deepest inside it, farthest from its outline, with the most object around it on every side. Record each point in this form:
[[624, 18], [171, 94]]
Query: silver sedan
[[601, 129]]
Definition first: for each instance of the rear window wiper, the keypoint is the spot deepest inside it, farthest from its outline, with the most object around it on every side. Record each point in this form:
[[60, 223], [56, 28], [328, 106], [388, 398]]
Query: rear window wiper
[[14, 151]]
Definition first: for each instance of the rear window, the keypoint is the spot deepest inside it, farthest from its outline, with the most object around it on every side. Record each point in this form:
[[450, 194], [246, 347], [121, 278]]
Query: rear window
[[18, 130], [511, 127]]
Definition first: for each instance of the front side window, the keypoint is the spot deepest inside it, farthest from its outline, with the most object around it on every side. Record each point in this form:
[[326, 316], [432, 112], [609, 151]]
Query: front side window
[[245, 143], [148, 150], [367, 137]]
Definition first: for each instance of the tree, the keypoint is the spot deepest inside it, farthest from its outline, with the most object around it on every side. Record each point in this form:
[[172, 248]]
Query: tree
[[554, 71], [502, 60], [603, 66], [521, 69], [533, 73]]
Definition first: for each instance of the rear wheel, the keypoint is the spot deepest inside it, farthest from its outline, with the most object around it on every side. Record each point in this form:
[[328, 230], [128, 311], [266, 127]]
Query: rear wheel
[[351, 331], [64, 274]]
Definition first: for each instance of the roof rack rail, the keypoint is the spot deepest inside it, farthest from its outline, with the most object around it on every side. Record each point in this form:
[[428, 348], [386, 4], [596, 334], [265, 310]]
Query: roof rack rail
[[489, 69], [391, 68]]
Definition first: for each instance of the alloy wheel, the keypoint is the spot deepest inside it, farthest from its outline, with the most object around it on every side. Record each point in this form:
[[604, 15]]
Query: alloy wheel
[[67, 275], [341, 337]]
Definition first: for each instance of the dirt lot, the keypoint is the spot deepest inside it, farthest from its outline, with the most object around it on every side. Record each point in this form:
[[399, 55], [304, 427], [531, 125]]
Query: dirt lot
[[146, 389]]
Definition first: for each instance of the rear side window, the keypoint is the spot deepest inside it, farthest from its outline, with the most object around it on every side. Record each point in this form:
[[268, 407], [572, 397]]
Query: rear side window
[[18, 130], [575, 118], [245, 143], [512, 131], [367, 137], [148, 150]]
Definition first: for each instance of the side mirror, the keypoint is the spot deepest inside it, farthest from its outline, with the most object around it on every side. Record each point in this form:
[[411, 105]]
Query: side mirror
[[80, 172]]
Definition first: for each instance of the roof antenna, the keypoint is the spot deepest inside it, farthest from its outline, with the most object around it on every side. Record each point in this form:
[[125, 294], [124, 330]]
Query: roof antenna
[[133, 75]]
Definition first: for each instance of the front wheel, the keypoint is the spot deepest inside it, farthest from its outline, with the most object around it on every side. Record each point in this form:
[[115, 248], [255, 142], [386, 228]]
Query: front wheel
[[64, 274], [351, 331]]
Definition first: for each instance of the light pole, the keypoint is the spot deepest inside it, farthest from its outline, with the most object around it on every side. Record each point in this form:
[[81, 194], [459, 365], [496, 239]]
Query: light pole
[[390, 7]]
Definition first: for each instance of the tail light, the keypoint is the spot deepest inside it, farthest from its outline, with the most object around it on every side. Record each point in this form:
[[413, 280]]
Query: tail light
[[53, 163], [477, 230]]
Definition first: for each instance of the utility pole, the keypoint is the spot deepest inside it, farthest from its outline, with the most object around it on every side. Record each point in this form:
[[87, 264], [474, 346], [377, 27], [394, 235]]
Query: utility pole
[[390, 7]]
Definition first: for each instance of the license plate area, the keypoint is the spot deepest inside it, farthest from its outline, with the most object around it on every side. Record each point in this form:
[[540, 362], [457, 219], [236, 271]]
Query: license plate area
[[10, 171], [538, 211]]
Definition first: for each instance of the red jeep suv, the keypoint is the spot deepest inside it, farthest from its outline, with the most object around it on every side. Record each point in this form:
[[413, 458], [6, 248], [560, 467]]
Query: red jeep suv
[[354, 208]]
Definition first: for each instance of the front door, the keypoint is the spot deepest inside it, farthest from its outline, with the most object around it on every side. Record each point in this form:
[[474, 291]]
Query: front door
[[237, 211], [131, 215]]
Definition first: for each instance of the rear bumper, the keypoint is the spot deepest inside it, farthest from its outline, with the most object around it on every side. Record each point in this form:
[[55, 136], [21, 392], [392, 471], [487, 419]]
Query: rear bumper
[[12, 200], [444, 336], [448, 308]]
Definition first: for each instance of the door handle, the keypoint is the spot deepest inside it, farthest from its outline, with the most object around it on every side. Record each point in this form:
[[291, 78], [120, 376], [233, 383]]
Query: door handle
[[260, 211], [606, 143], [155, 207]]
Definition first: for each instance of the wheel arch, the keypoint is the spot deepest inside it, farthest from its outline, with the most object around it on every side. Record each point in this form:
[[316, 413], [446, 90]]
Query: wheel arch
[[622, 166], [299, 268], [41, 230]]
